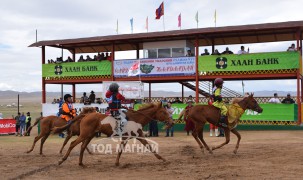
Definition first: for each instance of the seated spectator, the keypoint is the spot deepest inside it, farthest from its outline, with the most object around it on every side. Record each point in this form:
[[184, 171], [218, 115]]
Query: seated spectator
[[227, 51], [102, 56], [88, 58], [59, 60], [164, 101], [288, 100], [109, 57], [216, 52], [92, 97], [95, 58], [275, 99], [81, 59], [189, 53], [69, 59], [190, 98], [106, 55], [84, 99], [54, 101], [205, 52], [292, 48], [99, 57], [242, 50], [177, 100]]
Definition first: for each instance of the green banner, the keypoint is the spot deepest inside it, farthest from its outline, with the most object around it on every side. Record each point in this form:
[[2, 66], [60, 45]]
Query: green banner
[[249, 62], [271, 112], [92, 68]]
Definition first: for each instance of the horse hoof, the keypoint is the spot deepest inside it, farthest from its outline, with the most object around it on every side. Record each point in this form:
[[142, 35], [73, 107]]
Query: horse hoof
[[82, 165], [235, 151], [42, 155], [60, 162], [210, 152], [117, 164]]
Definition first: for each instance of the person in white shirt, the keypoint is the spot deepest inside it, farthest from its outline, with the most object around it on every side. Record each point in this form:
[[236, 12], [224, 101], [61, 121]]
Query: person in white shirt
[[292, 48], [275, 99], [242, 50]]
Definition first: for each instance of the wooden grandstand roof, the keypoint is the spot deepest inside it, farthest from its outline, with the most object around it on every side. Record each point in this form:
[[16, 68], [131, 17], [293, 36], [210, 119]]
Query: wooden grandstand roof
[[254, 33]]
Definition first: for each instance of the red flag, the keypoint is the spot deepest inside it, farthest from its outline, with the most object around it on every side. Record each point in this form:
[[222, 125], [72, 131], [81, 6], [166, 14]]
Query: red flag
[[134, 70], [179, 20], [160, 11]]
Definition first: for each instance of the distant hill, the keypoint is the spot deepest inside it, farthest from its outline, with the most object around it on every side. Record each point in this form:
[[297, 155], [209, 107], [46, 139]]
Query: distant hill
[[11, 96]]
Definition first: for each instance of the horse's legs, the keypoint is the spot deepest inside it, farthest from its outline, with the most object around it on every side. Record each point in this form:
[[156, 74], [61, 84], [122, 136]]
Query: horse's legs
[[123, 143], [35, 141], [239, 138], [72, 145], [227, 136], [65, 141], [83, 147], [195, 135], [147, 145], [42, 142], [200, 136]]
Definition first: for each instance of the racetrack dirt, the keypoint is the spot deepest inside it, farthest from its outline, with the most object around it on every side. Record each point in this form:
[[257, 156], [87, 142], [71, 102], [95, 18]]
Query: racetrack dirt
[[262, 155]]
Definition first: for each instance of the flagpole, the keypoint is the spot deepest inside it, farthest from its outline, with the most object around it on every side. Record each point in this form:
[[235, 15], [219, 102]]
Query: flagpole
[[243, 87], [163, 23]]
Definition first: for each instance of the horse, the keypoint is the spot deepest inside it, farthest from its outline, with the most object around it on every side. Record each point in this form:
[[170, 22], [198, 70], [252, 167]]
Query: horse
[[49, 122], [96, 122], [200, 114]]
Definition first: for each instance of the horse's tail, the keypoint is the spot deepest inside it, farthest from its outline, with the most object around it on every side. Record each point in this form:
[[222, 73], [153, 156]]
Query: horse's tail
[[36, 122]]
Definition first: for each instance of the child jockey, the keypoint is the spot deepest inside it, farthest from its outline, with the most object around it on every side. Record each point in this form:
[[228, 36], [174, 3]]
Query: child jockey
[[68, 111], [218, 102]]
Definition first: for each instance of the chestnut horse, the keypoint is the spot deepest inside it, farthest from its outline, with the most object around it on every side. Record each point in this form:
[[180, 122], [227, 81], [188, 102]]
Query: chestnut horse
[[200, 114], [96, 122], [49, 122]]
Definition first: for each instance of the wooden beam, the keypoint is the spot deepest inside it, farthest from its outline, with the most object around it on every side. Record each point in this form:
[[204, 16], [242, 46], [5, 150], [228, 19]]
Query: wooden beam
[[43, 79]]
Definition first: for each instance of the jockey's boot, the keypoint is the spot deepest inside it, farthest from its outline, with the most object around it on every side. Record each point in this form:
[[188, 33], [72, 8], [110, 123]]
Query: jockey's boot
[[222, 121], [216, 132]]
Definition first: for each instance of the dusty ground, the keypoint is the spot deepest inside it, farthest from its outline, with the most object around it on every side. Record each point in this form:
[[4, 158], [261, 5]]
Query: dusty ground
[[262, 155]]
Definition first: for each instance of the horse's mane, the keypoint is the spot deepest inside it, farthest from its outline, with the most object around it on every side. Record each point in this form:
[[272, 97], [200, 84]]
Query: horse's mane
[[146, 106]]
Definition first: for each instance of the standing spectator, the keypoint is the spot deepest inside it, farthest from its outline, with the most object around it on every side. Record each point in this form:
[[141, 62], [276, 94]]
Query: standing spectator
[[292, 48], [22, 120], [216, 52], [177, 101], [275, 99], [164, 101], [84, 98], [54, 101], [288, 100], [227, 51], [205, 52], [153, 128], [92, 97], [189, 53], [170, 111], [242, 50], [28, 123], [102, 57], [189, 125], [17, 118]]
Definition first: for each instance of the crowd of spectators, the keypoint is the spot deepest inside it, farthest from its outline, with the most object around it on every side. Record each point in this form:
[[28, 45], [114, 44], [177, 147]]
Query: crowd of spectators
[[98, 57]]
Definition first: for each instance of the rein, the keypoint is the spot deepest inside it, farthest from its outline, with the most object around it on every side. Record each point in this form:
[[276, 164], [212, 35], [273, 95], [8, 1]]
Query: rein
[[166, 122]]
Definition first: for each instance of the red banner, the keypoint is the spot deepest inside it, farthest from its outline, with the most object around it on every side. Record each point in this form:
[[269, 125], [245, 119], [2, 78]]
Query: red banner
[[7, 126]]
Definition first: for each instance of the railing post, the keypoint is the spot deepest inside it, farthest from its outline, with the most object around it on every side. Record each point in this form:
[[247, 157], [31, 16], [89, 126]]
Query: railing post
[[197, 69], [43, 79]]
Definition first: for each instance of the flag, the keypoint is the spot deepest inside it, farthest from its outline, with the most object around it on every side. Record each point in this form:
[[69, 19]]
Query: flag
[[146, 23], [215, 16], [160, 11], [197, 17], [132, 24], [117, 28], [179, 20], [134, 70]]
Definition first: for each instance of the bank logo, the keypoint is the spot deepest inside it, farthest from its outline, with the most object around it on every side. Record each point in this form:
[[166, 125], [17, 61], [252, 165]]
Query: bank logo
[[221, 63], [58, 70]]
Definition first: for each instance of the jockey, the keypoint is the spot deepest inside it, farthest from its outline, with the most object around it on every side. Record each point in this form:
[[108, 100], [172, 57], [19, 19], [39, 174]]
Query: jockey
[[114, 103], [68, 111], [218, 102]]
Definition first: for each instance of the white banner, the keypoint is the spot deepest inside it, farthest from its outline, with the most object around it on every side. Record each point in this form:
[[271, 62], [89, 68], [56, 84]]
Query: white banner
[[160, 66], [129, 89]]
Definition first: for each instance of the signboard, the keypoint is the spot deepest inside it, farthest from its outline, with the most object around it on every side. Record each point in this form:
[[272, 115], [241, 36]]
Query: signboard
[[129, 89], [91, 68], [249, 62], [159, 66], [7, 126], [271, 112]]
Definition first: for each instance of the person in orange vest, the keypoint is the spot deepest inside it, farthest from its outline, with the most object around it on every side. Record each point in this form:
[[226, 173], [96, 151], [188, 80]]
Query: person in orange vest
[[68, 111]]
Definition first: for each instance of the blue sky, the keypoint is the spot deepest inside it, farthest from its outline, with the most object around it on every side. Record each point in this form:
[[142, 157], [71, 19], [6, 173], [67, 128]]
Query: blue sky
[[62, 19]]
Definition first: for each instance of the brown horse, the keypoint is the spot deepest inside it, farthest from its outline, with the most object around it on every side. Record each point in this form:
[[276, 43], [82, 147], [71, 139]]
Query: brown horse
[[49, 122], [200, 114], [96, 122]]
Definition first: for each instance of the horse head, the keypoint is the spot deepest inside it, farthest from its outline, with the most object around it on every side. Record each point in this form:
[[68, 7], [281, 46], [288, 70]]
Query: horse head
[[162, 115], [252, 104]]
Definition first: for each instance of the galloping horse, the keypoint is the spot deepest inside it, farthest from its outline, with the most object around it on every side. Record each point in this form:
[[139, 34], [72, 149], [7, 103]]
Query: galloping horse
[[49, 122], [96, 122], [200, 114]]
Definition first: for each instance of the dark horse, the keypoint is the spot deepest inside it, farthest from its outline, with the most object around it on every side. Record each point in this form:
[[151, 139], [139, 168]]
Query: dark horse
[[96, 122], [49, 122], [200, 114]]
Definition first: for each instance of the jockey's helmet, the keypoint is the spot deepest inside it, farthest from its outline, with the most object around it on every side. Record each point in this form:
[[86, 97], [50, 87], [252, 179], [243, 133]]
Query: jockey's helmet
[[113, 87], [67, 96], [218, 81]]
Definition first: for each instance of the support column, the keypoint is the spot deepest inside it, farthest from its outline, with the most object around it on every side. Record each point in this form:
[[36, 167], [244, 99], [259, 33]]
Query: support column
[[74, 55], [197, 71], [212, 46], [43, 79], [62, 95], [74, 92], [149, 92], [182, 93], [299, 97], [138, 51], [112, 60]]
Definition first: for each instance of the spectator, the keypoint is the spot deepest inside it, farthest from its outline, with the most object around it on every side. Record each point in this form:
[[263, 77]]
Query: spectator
[[292, 48], [275, 99], [81, 59], [216, 52], [69, 59], [92, 97], [28, 123], [227, 51], [84, 99], [88, 58], [205, 52], [242, 50], [54, 101], [102, 57], [163, 101], [189, 53], [17, 118], [190, 98], [109, 57], [95, 58], [177, 101], [59, 60], [170, 111], [153, 128], [22, 120], [106, 55], [288, 100]]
